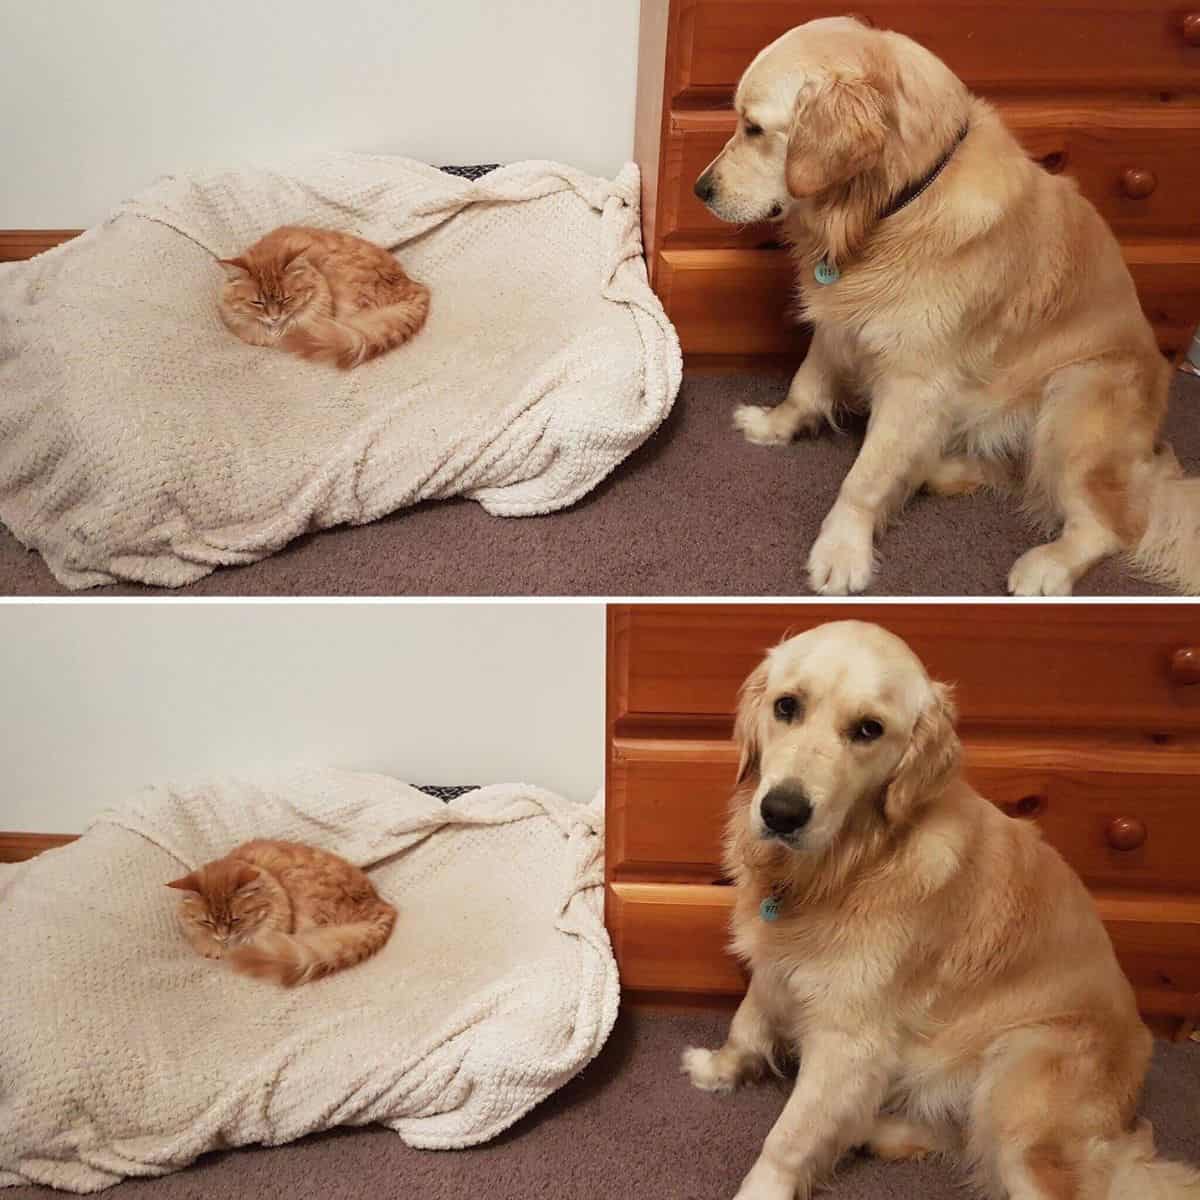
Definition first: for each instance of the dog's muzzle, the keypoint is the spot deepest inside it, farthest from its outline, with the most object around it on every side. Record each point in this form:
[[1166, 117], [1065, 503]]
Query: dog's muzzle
[[785, 810]]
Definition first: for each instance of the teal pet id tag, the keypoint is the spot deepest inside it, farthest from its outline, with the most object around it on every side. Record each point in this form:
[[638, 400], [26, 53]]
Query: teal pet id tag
[[826, 273], [769, 908]]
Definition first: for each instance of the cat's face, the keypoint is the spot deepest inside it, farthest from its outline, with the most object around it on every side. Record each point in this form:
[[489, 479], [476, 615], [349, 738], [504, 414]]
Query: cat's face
[[272, 295], [224, 902]]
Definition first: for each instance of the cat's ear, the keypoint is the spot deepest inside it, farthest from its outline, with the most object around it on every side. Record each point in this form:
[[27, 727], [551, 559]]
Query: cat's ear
[[245, 874], [234, 268], [188, 883]]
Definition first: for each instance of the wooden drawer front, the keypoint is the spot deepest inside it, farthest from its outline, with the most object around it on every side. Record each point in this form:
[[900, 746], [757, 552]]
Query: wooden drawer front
[[1084, 807], [1158, 947], [729, 302], [668, 803], [736, 302], [666, 807], [1065, 45], [1093, 666], [694, 140], [1099, 147], [674, 938], [1096, 145]]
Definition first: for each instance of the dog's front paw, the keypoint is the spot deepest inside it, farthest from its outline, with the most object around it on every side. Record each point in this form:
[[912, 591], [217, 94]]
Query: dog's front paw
[[704, 1069], [772, 426], [1040, 572], [841, 560], [767, 1182]]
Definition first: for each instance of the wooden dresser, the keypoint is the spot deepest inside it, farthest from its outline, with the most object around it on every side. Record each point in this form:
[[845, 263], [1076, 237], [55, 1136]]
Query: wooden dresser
[[1084, 718], [1105, 90]]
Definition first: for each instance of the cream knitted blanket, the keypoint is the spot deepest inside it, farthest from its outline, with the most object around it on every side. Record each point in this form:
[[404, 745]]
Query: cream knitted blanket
[[124, 1053], [139, 440]]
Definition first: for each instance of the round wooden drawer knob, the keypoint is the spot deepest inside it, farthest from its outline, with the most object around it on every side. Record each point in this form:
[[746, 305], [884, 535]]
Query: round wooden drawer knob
[[1185, 665], [1125, 833], [1191, 29], [1138, 184]]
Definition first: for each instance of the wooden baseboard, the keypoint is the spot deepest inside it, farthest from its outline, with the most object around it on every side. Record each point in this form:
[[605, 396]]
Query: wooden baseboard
[[17, 847], [19, 244]]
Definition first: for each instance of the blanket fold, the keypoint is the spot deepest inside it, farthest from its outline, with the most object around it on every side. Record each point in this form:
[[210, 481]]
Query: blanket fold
[[123, 1053], [141, 441]]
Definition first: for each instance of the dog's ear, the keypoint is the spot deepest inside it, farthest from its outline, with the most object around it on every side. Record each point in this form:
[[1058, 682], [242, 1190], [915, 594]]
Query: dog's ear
[[837, 132], [746, 723], [932, 757]]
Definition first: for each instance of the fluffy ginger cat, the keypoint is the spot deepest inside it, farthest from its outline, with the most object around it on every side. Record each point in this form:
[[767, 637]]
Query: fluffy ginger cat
[[323, 295], [283, 911]]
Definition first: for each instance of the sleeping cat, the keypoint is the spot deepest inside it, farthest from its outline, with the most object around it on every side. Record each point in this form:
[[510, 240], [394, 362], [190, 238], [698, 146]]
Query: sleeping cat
[[283, 911], [320, 294]]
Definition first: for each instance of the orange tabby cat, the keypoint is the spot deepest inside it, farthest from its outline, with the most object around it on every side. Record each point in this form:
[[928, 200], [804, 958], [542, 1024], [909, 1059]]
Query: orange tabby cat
[[323, 295], [283, 911]]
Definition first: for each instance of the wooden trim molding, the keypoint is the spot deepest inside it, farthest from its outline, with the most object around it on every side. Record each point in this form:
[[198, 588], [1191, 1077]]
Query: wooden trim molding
[[17, 847], [19, 244]]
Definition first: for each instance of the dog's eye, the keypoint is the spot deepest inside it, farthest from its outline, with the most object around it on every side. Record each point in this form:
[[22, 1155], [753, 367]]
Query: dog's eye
[[867, 730], [753, 130], [786, 707]]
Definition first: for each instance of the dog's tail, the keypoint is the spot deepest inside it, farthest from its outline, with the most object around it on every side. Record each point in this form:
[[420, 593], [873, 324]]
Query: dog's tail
[[1135, 1172], [1169, 550], [293, 958], [351, 340]]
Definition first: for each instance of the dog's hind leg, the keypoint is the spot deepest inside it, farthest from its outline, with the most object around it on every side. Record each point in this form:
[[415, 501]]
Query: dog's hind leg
[[1092, 459], [747, 1054], [809, 401]]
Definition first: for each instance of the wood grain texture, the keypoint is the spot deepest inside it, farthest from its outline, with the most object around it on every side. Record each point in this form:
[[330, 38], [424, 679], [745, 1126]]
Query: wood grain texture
[[19, 244], [1065, 46], [1014, 665], [670, 798], [1095, 144], [1107, 91], [649, 114], [675, 937], [740, 301], [17, 847], [1076, 717], [730, 301]]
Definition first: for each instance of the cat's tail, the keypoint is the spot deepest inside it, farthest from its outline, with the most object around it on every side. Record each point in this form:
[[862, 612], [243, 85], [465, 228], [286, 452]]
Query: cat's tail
[[351, 340], [294, 958]]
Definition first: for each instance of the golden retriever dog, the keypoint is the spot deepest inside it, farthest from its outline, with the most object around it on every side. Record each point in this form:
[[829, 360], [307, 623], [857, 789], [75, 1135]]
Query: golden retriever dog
[[979, 305], [940, 971]]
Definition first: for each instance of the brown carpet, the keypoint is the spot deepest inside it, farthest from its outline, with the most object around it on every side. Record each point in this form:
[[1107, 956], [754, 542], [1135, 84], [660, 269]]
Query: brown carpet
[[629, 1127], [696, 511]]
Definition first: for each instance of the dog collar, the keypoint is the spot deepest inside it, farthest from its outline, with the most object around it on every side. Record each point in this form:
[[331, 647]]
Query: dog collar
[[910, 193], [826, 272], [769, 908]]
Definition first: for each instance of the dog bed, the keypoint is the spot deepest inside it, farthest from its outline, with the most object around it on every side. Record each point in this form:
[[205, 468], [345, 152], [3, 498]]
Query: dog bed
[[141, 441], [123, 1053]]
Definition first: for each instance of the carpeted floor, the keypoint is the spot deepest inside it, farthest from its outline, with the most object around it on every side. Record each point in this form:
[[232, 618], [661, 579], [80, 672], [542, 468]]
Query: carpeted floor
[[696, 511], [629, 1128]]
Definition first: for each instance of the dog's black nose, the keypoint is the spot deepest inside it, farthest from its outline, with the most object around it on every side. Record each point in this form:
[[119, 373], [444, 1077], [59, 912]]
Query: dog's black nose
[[785, 809], [704, 188]]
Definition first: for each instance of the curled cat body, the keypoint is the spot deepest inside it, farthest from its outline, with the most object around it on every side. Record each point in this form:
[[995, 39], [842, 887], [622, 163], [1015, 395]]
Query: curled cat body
[[321, 294], [283, 911]]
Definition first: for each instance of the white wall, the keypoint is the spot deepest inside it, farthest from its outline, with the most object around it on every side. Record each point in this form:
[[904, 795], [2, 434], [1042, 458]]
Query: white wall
[[97, 700], [99, 97]]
